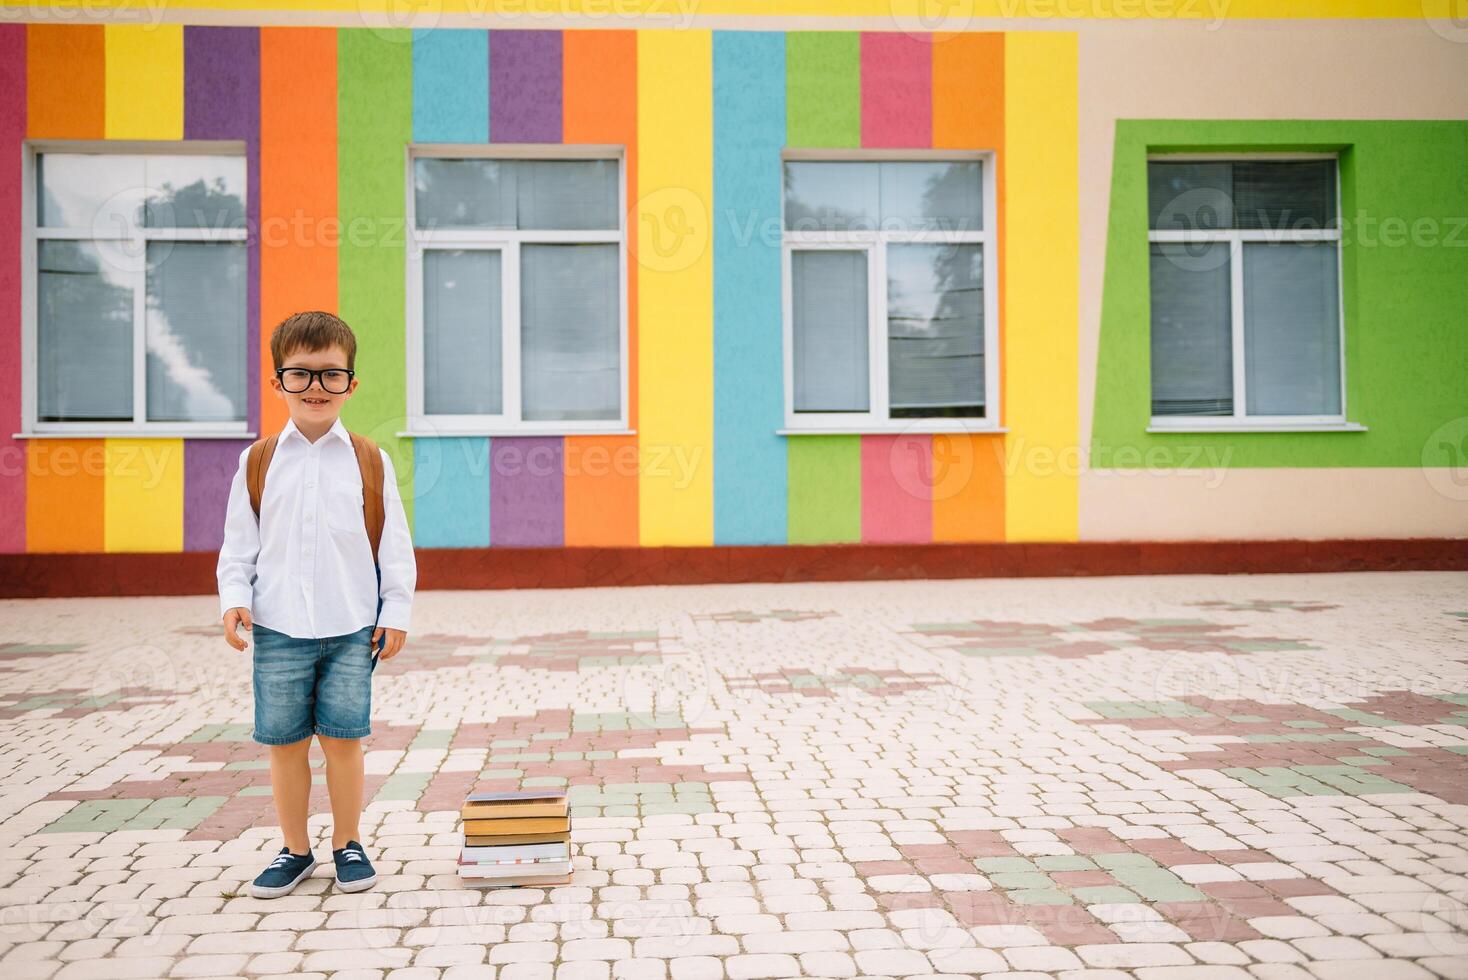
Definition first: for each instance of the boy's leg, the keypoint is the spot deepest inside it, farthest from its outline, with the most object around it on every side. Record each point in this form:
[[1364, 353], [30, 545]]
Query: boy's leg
[[290, 780], [344, 777]]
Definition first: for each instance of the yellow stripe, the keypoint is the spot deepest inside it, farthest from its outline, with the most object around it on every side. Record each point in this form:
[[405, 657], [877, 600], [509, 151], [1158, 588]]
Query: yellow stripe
[[905, 14], [1041, 282], [675, 283], [143, 497], [145, 82]]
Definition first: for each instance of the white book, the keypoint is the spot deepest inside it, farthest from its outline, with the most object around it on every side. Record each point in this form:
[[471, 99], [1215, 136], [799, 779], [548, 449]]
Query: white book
[[501, 853], [537, 870]]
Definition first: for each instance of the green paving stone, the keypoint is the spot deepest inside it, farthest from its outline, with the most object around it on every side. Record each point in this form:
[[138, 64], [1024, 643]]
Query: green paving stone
[[1352, 779], [545, 781], [1104, 895], [1454, 698], [653, 809], [403, 786], [581, 812], [1304, 723], [255, 791], [599, 754], [502, 774], [1040, 896], [38, 648], [1361, 717], [567, 756], [1125, 860], [1065, 862], [1158, 885], [1384, 750], [999, 865], [1363, 760], [204, 734], [248, 764], [549, 736], [509, 743], [432, 738], [619, 811], [1459, 749], [1021, 879], [1266, 737], [234, 733]]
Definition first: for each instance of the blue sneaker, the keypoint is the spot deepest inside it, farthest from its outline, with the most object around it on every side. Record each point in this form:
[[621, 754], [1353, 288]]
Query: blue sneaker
[[283, 875], [353, 871]]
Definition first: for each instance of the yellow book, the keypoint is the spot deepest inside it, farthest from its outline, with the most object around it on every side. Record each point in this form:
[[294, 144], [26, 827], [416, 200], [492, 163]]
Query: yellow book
[[519, 825]]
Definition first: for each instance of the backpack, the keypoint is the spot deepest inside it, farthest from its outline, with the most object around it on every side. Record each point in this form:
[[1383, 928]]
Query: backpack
[[369, 462]]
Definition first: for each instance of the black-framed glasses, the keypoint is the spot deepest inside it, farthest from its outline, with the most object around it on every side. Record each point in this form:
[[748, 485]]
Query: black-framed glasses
[[333, 380]]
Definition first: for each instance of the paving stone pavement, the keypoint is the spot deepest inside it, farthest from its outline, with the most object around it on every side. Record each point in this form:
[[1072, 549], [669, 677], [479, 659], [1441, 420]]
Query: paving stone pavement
[[1193, 776]]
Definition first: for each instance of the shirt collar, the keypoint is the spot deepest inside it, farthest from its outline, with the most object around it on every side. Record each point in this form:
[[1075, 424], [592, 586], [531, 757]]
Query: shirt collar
[[337, 429]]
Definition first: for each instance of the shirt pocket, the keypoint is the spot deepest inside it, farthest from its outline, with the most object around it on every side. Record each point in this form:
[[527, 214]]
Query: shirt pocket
[[344, 509]]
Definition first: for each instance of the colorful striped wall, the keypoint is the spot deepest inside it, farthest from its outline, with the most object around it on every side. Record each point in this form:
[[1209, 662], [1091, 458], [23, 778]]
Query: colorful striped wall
[[325, 114]]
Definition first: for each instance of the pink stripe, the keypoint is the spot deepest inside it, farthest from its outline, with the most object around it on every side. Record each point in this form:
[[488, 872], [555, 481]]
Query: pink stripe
[[896, 91], [896, 489], [12, 131]]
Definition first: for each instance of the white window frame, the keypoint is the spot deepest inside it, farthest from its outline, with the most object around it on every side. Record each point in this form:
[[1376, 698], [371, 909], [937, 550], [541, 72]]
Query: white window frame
[[507, 241], [32, 233], [874, 243], [1241, 420]]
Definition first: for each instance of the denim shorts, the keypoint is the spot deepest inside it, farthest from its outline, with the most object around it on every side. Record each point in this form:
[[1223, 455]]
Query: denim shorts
[[312, 685]]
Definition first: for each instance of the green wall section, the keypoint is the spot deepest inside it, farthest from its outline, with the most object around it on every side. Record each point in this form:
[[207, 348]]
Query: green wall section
[[1404, 266], [825, 489], [823, 88], [374, 125], [823, 109]]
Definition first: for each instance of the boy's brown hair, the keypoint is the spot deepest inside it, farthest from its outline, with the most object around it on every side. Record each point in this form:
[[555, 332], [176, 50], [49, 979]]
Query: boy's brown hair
[[312, 331]]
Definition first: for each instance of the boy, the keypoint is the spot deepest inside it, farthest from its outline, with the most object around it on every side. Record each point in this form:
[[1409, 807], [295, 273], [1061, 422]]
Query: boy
[[301, 578]]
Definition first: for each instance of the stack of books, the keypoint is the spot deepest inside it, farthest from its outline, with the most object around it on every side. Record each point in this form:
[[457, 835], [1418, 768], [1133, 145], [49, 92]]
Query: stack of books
[[516, 839]]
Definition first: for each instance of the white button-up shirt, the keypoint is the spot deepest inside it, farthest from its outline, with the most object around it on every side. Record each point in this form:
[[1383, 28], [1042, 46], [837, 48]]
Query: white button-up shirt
[[305, 568]]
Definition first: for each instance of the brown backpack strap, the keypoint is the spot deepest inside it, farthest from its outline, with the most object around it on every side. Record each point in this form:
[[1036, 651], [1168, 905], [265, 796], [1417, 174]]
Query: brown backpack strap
[[374, 513], [255, 466]]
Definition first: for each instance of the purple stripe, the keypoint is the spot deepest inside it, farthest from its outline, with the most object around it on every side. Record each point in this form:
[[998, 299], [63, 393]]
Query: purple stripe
[[209, 468], [527, 490], [525, 86], [222, 102]]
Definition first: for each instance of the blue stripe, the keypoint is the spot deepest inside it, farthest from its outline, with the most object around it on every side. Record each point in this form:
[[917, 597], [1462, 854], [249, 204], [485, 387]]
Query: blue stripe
[[450, 86], [451, 492], [749, 131]]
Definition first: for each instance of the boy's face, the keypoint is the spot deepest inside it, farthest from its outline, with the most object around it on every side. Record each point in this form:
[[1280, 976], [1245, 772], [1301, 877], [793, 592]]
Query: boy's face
[[322, 402]]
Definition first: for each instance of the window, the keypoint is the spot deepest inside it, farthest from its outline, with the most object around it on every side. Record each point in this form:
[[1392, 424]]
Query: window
[[516, 271], [890, 299], [135, 291], [1245, 286]]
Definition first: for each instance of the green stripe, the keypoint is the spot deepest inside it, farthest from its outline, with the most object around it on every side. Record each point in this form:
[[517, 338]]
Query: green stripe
[[825, 489], [823, 108], [823, 88], [374, 124]]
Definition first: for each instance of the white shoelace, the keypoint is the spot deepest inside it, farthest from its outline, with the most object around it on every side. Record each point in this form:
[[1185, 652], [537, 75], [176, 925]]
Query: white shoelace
[[351, 856], [281, 861]]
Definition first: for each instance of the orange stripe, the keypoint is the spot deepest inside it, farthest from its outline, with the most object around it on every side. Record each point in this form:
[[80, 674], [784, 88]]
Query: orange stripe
[[968, 114], [299, 230], [65, 81], [599, 105], [66, 487]]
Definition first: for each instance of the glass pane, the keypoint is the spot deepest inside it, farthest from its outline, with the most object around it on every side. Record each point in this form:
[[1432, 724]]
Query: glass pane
[[935, 330], [1189, 196], [1279, 194], [195, 325], [100, 193], [1292, 353], [829, 296], [462, 353], [570, 337], [464, 193], [567, 194], [84, 316], [195, 192], [1192, 339], [938, 196], [831, 196]]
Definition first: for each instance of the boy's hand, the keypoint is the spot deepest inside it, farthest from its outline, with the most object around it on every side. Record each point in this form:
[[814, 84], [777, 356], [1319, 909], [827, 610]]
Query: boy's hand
[[395, 640], [235, 617]]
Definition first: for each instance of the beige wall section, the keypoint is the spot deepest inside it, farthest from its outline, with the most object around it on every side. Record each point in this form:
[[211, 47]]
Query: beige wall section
[[1250, 70], [1270, 504]]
